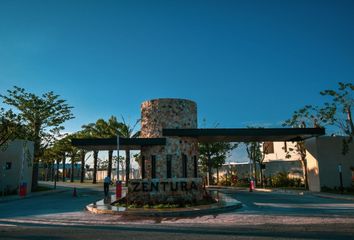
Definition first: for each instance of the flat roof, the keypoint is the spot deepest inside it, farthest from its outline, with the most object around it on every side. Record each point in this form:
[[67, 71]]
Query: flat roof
[[111, 143], [207, 135], [204, 135]]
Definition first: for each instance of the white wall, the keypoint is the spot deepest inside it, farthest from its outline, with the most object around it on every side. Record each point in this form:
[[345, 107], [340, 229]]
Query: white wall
[[324, 154], [16, 153], [280, 153]]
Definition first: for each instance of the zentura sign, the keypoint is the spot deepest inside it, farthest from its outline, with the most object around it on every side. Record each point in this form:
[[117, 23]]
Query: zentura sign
[[162, 186]]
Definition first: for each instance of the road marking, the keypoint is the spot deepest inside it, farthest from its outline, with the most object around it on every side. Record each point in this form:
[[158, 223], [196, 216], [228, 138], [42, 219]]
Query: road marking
[[308, 206], [7, 225]]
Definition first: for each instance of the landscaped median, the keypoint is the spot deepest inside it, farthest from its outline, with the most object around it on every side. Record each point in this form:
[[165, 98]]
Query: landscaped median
[[224, 203]]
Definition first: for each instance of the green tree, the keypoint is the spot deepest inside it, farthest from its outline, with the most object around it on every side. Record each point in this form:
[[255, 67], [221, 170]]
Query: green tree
[[213, 155], [82, 154], [83, 159], [300, 119], [63, 149], [72, 152], [256, 152], [43, 117], [56, 153], [102, 129], [48, 160], [96, 130], [304, 117], [113, 128], [10, 127], [128, 131], [336, 113], [339, 111]]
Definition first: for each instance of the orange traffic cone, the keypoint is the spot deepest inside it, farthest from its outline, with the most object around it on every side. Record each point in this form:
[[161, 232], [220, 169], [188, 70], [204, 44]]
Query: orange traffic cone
[[74, 192]]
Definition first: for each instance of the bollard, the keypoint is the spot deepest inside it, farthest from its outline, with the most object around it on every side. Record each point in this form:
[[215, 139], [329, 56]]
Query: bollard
[[23, 189], [118, 189], [251, 185]]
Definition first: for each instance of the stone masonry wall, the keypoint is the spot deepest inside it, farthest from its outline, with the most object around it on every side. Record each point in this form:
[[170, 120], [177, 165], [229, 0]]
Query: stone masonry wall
[[156, 115], [156, 191], [169, 113]]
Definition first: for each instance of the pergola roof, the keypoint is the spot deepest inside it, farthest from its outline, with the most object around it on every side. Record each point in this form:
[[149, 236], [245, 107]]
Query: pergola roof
[[204, 135], [207, 135], [111, 143]]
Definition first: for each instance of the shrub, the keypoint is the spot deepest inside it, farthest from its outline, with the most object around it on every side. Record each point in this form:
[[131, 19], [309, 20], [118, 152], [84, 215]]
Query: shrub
[[282, 179]]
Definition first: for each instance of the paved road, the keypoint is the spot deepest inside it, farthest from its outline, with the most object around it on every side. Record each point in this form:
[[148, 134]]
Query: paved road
[[293, 204], [263, 216]]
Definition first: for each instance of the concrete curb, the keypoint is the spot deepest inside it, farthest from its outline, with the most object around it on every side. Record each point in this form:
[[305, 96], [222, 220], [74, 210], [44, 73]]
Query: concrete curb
[[192, 211], [165, 213], [32, 195], [288, 191], [338, 197]]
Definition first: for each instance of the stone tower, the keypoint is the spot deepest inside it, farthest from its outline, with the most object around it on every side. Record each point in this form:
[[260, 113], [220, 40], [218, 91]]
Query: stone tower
[[169, 172], [178, 158]]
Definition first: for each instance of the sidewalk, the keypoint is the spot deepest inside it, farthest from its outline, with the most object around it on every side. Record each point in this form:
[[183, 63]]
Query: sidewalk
[[305, 192], [334, 196], [60, 187], [34, 194], [289, 191]]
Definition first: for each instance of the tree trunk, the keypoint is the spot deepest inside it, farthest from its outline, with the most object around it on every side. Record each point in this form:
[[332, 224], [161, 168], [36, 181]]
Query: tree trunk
[[82, 177], [261, 175], [302, 150], [57, 171], [64, 169], [304, 169], [35, 165], [52, 175], [110, 159], [72, 168], [350, 121], [255, 172], [217, 176], [210, 171], [36, 154], [127, 166], [46, 170], [95, 157]]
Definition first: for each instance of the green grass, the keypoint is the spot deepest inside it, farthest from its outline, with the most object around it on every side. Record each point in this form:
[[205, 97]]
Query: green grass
[[164, 205]]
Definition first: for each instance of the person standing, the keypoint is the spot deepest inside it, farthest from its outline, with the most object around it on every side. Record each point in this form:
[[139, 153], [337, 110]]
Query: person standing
[[106, 182]]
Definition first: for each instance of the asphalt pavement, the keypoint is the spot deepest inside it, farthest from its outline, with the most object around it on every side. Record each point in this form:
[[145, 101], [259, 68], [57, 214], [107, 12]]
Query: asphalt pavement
[[264, 215]]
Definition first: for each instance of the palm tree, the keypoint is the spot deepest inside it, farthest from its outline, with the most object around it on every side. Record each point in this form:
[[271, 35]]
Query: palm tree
[[73, 153], [113, 128], [65, 149], [82, 153], [95, 130], [127, 131], [48, 159], [108, 129]]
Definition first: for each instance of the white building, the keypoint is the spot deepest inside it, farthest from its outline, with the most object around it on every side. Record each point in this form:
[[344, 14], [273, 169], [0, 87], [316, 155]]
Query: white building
[[282, 157], [327, 166], [16, 160]]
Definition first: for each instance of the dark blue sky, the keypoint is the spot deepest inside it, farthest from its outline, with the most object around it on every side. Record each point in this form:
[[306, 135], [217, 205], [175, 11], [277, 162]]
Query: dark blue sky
[[243, 62]]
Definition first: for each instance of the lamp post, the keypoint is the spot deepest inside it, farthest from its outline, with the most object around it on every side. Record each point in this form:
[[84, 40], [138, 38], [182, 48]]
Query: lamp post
[[340, 178], [117, 157]]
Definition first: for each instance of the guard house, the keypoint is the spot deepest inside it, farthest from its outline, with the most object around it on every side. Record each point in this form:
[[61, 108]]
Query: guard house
[[169, 149]]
